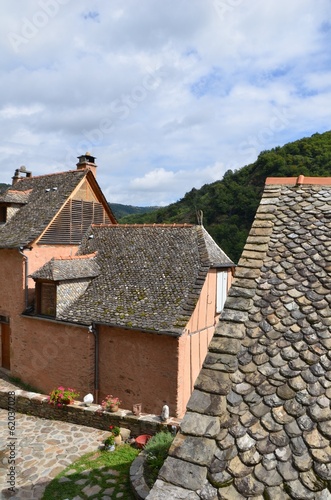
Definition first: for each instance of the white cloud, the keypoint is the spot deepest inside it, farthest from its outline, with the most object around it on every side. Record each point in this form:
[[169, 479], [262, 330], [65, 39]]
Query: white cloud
[[167, 96]]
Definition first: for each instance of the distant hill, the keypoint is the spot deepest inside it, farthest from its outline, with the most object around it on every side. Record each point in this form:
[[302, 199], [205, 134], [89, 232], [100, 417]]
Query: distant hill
[[3, 187], [123, 210], [229, 205]]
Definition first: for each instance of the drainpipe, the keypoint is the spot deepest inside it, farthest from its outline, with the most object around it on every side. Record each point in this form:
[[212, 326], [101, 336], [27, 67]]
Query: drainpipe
[[95, 332], [26, 277]]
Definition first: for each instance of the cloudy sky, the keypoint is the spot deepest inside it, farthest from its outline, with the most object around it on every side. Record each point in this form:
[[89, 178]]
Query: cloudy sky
[[167, 95]]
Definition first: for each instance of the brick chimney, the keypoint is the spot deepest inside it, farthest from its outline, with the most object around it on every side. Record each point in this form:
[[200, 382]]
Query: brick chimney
[[87, 161], [17, 176]]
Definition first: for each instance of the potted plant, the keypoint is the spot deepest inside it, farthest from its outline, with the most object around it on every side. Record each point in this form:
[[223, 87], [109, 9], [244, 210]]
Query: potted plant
[[116, 432], [110, 403], [62, 396], [110, 443]]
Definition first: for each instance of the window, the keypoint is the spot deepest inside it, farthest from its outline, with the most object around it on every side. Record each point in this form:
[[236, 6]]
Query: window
[[3, 215], [222, 290], [46, 299]]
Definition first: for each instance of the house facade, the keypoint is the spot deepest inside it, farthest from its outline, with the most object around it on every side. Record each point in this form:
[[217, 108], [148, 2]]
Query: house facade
[[104, 308], [258, 421], [41, 217]]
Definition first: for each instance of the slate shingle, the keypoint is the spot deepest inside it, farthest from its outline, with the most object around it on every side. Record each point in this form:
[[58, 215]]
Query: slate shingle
[[70, 268], [150, 276], [41, 198], [287, 341]]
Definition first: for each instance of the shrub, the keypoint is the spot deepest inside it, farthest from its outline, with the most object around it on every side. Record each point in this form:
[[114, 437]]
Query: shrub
[[156, 451]]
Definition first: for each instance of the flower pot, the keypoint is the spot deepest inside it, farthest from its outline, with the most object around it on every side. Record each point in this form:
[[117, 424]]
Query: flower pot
[[113, 408], [142, 440], [118, 439], [136, 409]]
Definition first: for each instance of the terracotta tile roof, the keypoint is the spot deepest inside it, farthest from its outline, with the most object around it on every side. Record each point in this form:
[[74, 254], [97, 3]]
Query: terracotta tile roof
[[47, 194], [301, 179], [61, 269], [258, 424], [150, 276]]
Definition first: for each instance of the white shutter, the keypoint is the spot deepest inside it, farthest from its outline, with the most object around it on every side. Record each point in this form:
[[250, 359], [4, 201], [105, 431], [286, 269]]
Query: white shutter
[[222, 288]]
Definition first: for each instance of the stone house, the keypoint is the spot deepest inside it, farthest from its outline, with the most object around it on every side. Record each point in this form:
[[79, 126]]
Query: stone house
[[258, 423], [104, 308]]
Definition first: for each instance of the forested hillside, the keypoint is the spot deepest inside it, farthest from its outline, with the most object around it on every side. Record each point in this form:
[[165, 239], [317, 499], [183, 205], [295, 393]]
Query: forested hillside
[[120, 210], [229, 205]]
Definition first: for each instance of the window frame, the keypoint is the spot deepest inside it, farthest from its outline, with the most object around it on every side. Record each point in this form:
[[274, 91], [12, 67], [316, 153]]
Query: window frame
[[221, 289], [46, 304], [3, 214]]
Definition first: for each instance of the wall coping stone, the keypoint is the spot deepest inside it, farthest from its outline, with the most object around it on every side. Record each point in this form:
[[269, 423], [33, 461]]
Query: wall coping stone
[[37, 405]]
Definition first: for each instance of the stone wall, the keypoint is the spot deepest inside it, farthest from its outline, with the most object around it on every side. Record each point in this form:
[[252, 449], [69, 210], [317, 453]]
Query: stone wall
[[37, 405]]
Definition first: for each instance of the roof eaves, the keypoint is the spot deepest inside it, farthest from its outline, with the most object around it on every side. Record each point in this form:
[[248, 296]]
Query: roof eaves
[[169, 333], [78, 257]]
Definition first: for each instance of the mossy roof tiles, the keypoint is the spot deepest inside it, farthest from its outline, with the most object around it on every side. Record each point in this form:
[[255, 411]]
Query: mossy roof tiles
[[266, 378], [150, 276]]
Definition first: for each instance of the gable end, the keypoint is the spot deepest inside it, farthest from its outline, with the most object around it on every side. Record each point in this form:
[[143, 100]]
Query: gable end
[[73, 221]]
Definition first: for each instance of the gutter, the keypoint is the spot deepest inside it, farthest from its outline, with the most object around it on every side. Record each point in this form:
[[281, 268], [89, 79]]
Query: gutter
[[26, 287], [95, 331]]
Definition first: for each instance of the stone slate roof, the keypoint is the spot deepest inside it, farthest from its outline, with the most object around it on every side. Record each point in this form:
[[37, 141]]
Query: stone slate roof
[[258, 424], [14, 196], [216, 256], [69, 268], [150, 276], [48, 195]]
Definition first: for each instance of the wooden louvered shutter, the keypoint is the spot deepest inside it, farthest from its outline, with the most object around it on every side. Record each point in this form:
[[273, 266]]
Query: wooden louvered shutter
[[73, 221]]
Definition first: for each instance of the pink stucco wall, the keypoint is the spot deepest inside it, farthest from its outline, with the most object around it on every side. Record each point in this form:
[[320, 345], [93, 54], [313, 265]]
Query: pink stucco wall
[[193, 345], [40, 254]]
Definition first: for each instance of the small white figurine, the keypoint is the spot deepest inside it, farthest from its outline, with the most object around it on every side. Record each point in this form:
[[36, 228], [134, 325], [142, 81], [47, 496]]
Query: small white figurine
[[88, 399], [165, 413]]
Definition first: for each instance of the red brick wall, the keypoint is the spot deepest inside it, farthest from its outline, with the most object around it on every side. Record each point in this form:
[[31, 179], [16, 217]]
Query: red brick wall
[[11, 282], [139, 368], [36, 346], [11, 289], [48, 354]]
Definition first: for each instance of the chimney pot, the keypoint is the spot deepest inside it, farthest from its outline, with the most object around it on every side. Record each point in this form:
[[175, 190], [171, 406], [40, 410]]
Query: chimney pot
[[87, 161]]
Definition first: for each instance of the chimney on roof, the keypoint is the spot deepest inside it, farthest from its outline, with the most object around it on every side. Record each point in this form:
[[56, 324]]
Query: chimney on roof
[[87, 161], [17, 176]]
